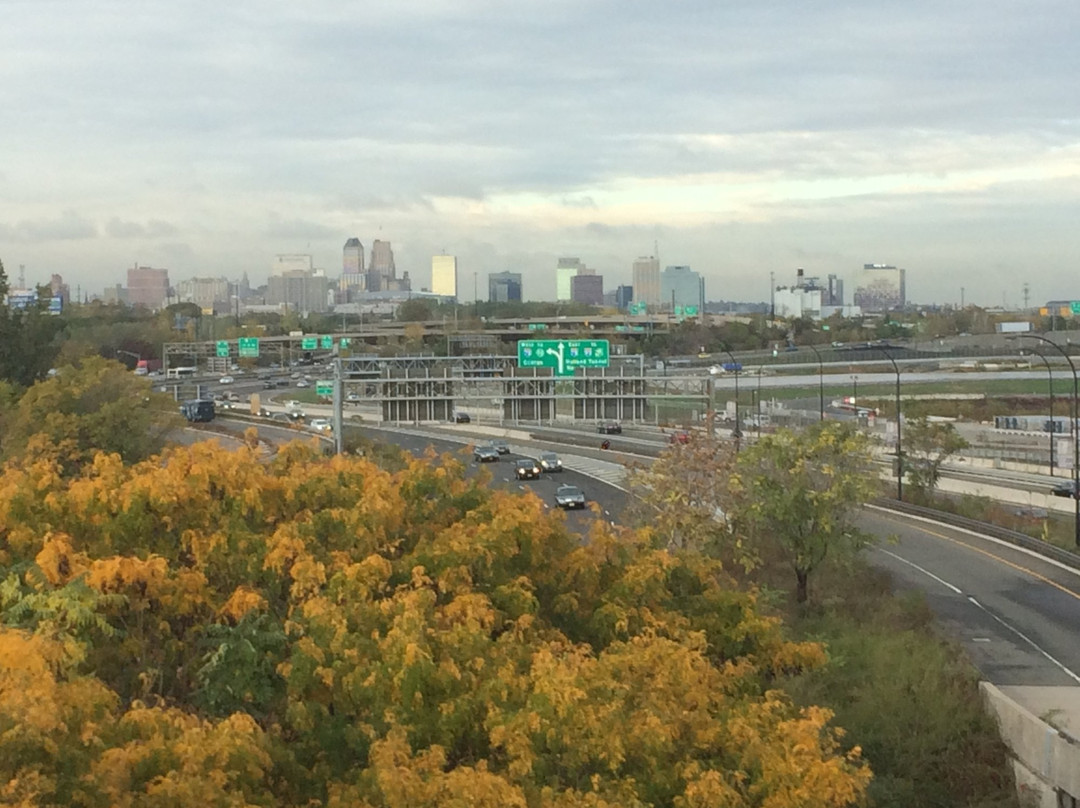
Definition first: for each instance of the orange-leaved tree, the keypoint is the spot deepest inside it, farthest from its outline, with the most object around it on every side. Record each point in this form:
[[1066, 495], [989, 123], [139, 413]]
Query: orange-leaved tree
[[311, 629]]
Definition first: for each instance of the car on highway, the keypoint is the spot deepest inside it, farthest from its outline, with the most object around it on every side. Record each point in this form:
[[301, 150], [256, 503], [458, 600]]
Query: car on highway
[[499, 445], [485, 454], [679, 436], [226, 380], [303, 383], [295, 374], [321, 425], [609, 428], [352, 398], [462, 417], [569, 496], [1065, 489], [527, 469], [550, 462]]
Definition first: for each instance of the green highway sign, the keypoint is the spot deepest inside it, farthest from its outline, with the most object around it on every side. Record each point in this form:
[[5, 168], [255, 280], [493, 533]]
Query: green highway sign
[[248, 347], [639, 307], [324, 388], [345, 342], [328, 343], [223, 348], [691, 311], [538, 326], [1074, 306], [563, 355], [309, 343]]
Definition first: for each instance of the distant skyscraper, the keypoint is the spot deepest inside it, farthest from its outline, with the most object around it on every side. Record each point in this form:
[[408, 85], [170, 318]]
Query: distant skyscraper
[[444, 275], [588, 289], [880, 287], [646, 281], [352, 266], [148, 287], [835, 292], [681, 286], [382, 272], [504, 287], [566, 269], [624, 296]]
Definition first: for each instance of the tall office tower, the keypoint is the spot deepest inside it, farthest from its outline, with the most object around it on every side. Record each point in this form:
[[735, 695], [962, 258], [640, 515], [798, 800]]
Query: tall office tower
[[504, 287], [835, 292], [444, 275], [588, 289], [566, 269], [880, 287], [352, 267], [148, 287], [299, 290], [624, 296], [682, 287], [60, 289], [381, 271], [646, 281]]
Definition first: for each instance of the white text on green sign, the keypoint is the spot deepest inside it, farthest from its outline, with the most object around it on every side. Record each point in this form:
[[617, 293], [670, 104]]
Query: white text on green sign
[[563, 355]]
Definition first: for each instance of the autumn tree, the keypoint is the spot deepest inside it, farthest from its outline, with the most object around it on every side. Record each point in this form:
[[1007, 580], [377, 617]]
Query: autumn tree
[[683, 495], [797, 492], [234, 630], [29, 338], [94, 406], [927, 445]]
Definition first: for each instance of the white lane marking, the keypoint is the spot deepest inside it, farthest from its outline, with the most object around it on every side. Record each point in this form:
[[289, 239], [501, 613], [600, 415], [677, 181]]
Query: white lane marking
[[1026, 639], [923, 570], [1000, 542]]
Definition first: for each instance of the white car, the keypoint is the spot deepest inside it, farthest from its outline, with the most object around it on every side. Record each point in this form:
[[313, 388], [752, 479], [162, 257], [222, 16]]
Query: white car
[[321, 425], [303, 383], [226, 380]]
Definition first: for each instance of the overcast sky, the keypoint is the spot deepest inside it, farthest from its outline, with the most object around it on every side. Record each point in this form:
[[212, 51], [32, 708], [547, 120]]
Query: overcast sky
[[743, 138]]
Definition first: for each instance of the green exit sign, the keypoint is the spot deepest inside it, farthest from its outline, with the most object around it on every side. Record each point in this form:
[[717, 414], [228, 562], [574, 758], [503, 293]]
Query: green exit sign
[[564, 355], [222, 348], [309, 343], [324, 388], [248, 347]]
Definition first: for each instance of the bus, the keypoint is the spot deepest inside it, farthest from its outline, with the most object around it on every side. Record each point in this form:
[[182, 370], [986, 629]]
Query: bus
[[198, 410], [181, 373]]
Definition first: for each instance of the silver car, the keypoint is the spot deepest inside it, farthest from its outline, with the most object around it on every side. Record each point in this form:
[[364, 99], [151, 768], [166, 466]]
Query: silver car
[[499, 445], [569, 496], [485, 454], [549, 462]]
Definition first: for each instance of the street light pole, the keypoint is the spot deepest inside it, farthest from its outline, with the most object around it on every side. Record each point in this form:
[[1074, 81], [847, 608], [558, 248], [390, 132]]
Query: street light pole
[[821, 383], [1050, 429], [1072, 434], [899, 434], [737, 432]]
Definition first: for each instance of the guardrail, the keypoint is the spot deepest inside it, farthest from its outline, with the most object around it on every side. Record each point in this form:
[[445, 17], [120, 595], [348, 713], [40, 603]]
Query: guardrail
[[1066, 557]]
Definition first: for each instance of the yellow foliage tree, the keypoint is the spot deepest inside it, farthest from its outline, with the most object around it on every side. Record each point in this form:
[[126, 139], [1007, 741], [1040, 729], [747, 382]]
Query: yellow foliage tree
[[326, 631]]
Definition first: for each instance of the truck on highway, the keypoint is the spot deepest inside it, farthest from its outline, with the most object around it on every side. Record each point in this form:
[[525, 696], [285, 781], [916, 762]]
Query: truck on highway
[[198, 410]]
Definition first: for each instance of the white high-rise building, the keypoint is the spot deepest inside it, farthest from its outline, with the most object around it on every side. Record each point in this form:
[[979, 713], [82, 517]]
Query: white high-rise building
[[444, 279], [646, 280], [565, 271]]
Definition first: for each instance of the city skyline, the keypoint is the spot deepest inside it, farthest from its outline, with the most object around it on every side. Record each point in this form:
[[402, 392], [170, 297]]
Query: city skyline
[[744, 141]]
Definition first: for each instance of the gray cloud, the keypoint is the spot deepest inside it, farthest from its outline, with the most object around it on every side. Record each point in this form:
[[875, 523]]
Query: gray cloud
[[728, 128], [69, 226]]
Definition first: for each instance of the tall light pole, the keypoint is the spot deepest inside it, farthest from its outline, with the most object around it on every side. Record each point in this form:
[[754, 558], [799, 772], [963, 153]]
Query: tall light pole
[[899, 435], [821, 383], [737, 432], [759, 401], [1072, 434], [1050, 379]]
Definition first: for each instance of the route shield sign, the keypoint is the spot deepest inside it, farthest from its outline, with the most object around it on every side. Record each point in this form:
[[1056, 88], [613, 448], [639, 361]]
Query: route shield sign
[[563, 355], [324, 388], [222, 348], [248, 347], [309, 343]]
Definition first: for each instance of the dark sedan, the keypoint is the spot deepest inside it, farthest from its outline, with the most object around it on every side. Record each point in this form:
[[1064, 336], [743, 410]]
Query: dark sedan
[[485, 454], [609, 428], [527, 469]]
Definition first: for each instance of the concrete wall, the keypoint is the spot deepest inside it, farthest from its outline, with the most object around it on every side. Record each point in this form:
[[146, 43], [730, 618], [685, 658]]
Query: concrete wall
[[1047, 759]]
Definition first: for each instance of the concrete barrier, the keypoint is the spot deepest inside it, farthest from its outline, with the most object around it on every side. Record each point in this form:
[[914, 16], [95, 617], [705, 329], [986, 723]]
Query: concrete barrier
[[1046, 758]]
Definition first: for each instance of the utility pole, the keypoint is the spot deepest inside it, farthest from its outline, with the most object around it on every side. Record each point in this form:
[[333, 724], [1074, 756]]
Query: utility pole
[[772, 296], [961, 297], [1027, 296]]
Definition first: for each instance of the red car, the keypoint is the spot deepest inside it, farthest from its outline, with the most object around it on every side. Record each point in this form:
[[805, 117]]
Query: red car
[[681, 436]]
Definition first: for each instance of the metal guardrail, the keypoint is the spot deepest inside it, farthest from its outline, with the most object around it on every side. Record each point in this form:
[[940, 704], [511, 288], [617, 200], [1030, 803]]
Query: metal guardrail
[[1066, 557]]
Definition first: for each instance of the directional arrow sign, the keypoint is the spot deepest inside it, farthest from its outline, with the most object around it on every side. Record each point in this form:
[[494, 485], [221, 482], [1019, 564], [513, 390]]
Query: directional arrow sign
[[309, 343], [563, 355], [248, 347], [222, 348]]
